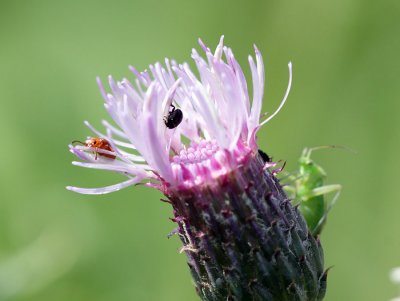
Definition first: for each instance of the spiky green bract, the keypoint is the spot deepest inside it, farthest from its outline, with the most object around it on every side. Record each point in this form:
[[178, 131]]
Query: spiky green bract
[[245, 241]]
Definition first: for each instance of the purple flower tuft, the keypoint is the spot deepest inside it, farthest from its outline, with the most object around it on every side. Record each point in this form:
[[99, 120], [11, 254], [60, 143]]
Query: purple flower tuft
[[217, 132]]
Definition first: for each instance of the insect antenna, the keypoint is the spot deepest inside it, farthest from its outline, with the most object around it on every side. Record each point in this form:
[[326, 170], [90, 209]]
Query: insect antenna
[[77, 141], [307, 151]]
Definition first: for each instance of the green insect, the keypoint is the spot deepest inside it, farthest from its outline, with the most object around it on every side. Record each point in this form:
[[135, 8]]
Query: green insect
[[308, 190]]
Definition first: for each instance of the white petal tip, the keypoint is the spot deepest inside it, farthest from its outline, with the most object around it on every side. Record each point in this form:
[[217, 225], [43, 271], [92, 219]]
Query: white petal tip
[[107, 189], [85, 190]]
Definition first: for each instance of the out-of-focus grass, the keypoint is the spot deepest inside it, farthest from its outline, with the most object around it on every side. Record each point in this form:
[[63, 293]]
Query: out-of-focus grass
[[56, 245]]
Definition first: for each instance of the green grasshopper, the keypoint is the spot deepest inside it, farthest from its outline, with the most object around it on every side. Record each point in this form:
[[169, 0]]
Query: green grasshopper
[[309, 191]]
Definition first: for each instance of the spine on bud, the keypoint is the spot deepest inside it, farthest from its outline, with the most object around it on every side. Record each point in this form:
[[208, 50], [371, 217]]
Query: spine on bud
[[245, 241]]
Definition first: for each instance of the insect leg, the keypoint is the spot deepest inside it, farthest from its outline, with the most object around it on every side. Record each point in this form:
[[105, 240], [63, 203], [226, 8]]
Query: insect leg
[[328, 189], [323, 190]]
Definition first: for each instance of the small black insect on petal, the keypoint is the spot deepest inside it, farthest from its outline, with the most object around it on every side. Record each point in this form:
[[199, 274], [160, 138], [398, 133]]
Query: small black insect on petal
[[174, 118], [264, 156]]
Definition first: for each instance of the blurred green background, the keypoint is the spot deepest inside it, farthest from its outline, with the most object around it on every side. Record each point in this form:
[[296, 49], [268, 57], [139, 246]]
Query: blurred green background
[[58, 245]]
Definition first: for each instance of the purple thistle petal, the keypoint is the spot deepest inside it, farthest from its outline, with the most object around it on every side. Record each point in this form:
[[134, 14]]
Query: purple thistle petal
[[240, 77], [114, 129], [257, 97], [114, 166], [203, 46], [102, 90], [219, 49], [153, 126], [106, 189], [284, 98]]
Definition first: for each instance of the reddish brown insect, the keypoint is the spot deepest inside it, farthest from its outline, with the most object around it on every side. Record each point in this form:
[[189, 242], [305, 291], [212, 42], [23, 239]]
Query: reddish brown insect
[[98, 143]]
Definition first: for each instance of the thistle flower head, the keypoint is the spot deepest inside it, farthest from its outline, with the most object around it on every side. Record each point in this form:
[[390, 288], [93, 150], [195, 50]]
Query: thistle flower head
[[194, 138], [216, 134]]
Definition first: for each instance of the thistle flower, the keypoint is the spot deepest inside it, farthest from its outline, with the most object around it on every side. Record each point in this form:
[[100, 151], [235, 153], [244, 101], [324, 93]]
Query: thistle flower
[[242, 237]]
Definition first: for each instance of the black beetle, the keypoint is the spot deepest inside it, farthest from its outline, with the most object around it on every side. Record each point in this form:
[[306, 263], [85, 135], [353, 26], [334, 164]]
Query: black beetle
[[174, 118], [264, 156]]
